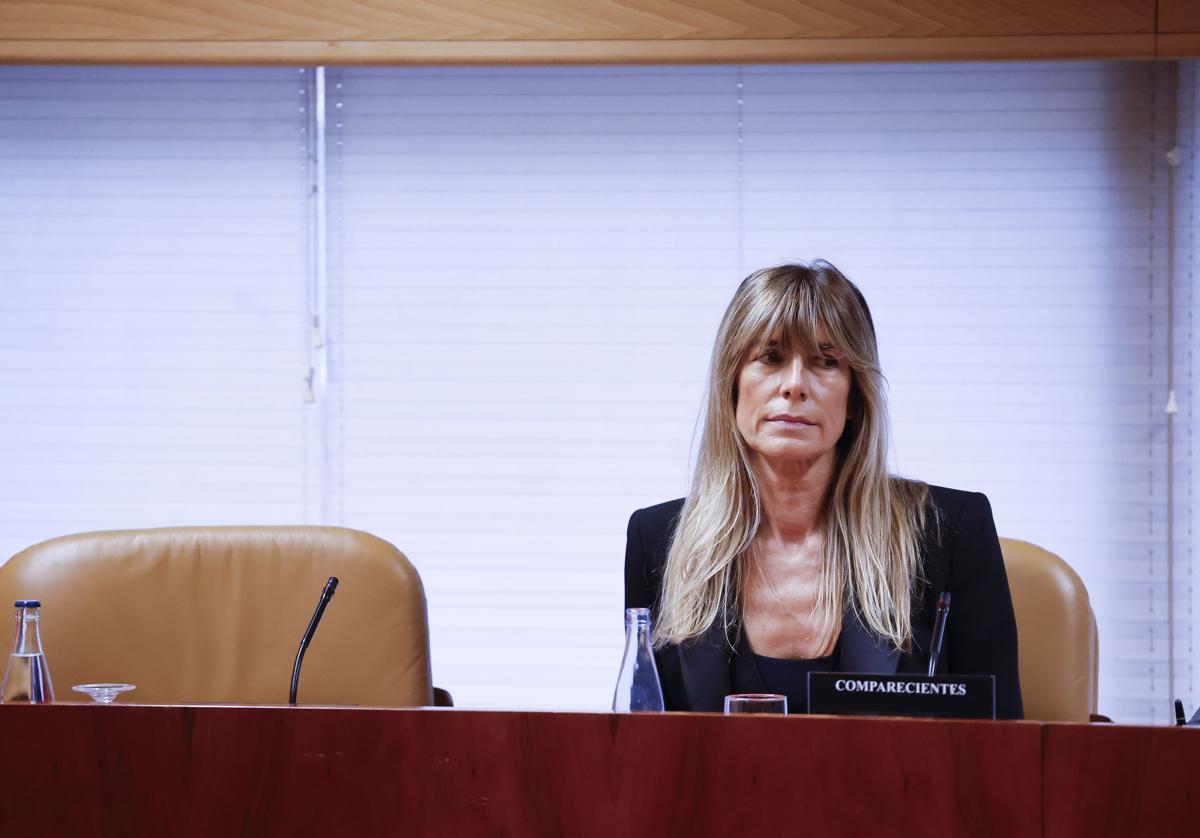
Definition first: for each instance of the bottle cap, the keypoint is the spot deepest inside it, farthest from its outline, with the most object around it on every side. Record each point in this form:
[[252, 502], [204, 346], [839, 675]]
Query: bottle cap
[[27, 603]]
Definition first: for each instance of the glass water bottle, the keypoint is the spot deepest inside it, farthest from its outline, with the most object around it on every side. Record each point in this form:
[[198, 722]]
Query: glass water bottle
[[27, 678], [638, 689]]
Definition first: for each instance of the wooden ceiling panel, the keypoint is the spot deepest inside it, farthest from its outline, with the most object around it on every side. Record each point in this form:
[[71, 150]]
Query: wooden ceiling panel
[[1179, 16], [574, 31], [404, 20]]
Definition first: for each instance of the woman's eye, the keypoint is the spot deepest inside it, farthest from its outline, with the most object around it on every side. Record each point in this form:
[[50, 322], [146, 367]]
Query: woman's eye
[[771, 356], [827, 361]]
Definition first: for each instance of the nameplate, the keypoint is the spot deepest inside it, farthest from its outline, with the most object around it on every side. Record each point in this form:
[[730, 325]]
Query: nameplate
[[944, 696]]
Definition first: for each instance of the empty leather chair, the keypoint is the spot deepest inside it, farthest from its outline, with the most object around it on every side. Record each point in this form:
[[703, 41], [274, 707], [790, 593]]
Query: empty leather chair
[[215, 614], [1056, 634]]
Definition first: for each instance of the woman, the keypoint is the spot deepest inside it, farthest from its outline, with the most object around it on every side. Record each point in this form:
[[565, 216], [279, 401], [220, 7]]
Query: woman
[[795, 550]]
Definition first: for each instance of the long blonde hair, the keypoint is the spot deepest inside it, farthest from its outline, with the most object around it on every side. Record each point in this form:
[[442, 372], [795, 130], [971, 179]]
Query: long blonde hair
[[873, 521]]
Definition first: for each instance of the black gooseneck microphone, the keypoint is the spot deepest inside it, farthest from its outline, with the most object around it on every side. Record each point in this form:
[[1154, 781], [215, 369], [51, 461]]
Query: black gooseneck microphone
[[326, 595], [939, 631]]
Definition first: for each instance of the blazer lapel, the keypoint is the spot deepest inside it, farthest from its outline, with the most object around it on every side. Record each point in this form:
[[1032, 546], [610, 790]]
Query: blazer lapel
[[704, 670], [861, 651]]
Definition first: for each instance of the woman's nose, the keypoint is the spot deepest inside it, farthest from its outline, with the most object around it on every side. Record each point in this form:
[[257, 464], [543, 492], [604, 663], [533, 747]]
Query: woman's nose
[[795, 380]]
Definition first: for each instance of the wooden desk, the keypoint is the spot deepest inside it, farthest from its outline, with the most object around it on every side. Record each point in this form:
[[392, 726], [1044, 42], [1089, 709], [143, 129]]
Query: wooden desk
[[132, 770], [1121, 781]]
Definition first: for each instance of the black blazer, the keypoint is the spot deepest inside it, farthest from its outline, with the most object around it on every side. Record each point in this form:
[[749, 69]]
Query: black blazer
[[961, 555]]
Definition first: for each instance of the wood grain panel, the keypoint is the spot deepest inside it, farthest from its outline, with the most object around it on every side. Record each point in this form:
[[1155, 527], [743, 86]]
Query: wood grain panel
[[581, 52], [401, 20], [92, 770], [1179, 16], [1178, 45], [1115, 780]]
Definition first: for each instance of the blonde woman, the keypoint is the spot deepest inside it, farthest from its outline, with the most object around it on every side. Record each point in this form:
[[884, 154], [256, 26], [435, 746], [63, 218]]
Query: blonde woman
[[795, 549]]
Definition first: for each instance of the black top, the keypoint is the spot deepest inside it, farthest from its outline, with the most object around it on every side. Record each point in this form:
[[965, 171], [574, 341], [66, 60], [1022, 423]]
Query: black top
[[754, 673], [960, 554]]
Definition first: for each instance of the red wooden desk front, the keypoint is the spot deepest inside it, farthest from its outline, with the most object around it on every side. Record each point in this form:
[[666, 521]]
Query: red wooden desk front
[[132, 770], [94, 770], [1121, 781]]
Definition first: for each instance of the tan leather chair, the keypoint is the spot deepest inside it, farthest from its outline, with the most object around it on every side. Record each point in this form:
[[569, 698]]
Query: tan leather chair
[[1056, 634], [215, 614]]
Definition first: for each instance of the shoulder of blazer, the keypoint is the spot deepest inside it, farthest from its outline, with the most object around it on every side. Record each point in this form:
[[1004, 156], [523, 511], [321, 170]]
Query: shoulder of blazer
[[950, 502], [660, 517], [950, 509], [655, 525], [954, 512]]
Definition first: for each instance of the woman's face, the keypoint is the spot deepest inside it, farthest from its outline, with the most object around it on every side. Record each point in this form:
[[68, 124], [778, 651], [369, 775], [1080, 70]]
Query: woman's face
[[792, 407]]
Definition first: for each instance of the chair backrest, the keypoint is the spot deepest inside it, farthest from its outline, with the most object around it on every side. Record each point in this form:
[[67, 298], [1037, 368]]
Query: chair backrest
[[215, 614], [1056, 634]]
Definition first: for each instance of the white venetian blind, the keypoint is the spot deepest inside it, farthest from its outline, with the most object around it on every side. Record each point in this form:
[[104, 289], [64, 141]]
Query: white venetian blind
[[153, 298], [525, 270], [1007, 224], [529, 265]]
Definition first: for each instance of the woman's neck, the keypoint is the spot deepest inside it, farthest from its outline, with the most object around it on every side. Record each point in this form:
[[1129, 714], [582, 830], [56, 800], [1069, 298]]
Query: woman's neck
[[792, 496]]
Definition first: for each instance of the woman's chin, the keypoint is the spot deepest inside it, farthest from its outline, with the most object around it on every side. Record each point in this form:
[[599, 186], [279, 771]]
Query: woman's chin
[[791, 453]]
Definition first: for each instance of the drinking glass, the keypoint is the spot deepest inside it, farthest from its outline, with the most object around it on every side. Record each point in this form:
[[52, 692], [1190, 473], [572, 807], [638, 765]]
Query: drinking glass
[[103, 693], [756, 703]]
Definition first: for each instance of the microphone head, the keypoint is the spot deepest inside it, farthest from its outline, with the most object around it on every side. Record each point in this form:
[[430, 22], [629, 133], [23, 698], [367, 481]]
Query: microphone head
[[331, 585]]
